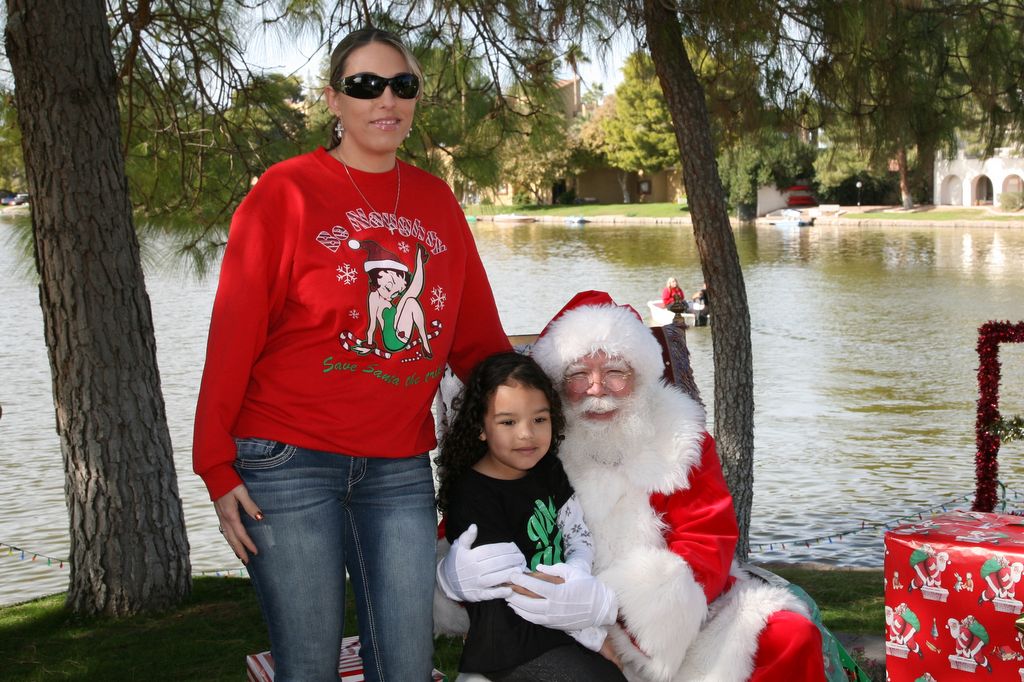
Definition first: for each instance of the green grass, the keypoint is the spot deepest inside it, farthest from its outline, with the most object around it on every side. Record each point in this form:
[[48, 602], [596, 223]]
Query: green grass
[[208, 638], [936, 215], [849, 600], [661, 210]]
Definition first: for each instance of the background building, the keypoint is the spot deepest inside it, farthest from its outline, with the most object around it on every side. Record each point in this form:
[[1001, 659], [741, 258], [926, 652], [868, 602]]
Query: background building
[[970, 180]]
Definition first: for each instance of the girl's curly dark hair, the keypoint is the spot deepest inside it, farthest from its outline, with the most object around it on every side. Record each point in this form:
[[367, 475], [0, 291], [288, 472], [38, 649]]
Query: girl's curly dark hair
[[461, 446]]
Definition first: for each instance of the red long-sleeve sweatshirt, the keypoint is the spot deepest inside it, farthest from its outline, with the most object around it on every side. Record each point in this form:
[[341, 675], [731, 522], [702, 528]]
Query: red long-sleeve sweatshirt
[[335, 314]]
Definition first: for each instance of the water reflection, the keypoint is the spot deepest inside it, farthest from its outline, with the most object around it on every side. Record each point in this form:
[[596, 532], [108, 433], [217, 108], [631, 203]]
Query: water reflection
[[864, 362]]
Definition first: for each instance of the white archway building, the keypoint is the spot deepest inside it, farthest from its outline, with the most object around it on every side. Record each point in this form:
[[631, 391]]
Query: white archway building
[[969, 180]]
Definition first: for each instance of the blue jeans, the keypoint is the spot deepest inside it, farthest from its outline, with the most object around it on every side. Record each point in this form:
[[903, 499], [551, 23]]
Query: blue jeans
[[324, 513]]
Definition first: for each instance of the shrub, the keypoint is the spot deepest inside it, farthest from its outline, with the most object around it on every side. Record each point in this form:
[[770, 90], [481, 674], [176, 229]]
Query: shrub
[[521, 198], [875, 189], [1011, 201]]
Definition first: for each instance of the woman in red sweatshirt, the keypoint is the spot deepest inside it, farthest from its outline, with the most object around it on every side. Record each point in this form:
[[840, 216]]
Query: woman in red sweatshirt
[[672, 293], [350, 279]]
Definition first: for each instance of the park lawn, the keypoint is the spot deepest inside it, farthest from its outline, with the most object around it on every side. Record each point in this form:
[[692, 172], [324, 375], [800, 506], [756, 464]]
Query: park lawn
[[938, 215], [850, 600], [208, 638], [673, 210], [205, 639]]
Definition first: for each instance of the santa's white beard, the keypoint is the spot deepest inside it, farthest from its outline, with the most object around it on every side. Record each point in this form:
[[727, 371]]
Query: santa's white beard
[[607, 441]]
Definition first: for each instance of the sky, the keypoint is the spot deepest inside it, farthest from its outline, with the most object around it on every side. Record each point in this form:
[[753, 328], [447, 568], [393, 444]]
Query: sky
[[305, 59], [609, 71]]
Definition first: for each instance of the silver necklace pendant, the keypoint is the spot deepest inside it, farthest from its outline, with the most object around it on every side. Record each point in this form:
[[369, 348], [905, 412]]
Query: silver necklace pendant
[[398, 191]]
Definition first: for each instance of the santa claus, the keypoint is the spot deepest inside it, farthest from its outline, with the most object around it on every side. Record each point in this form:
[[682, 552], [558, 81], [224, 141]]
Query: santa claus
[[651, 487]]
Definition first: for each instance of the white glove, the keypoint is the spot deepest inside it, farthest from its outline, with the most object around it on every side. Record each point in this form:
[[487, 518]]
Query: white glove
[[592, 637], [582, 601], [470, 573]]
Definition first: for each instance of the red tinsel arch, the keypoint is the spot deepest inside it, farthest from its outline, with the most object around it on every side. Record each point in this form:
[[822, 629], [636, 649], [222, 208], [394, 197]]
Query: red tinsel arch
[[986, 465]]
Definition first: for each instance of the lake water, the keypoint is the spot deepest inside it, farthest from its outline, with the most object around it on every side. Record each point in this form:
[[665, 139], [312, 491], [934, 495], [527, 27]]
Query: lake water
[[864, 365]]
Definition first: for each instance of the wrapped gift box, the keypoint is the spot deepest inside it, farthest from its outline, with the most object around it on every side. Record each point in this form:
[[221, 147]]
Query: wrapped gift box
[[952, 598], [260, 667]]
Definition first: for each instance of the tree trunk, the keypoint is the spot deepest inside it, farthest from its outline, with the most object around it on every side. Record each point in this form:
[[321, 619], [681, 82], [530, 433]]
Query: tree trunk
[[623, 178], [926, 170], [734, 384], [129, 551], [901, 165]]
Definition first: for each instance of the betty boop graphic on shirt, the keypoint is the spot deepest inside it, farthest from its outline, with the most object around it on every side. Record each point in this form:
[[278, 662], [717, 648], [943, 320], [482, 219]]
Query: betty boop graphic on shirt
[[392, 305]]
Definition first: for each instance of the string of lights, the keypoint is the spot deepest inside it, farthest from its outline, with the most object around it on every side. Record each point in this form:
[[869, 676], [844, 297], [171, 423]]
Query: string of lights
[[865, 525], [28, 555], [225, 573], [1007, 500], [8, 550]]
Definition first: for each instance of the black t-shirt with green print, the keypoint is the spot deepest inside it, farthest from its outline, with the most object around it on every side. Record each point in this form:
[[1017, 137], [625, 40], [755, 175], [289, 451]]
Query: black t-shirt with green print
[[522, 511]]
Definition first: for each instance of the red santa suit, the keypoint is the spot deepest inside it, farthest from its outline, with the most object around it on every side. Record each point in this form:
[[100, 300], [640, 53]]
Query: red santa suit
[[652, 491]]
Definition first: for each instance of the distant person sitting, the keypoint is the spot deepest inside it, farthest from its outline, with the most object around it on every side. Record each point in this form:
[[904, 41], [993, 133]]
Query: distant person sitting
[[702, 306], [673, 294]]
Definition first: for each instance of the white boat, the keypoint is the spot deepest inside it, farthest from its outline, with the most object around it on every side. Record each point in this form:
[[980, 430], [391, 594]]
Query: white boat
[[513, 218], [789, 218], [787, 224], [662, 316]]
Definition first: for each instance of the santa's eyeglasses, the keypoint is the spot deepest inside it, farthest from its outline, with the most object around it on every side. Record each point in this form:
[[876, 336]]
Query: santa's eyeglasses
[[580, 382]]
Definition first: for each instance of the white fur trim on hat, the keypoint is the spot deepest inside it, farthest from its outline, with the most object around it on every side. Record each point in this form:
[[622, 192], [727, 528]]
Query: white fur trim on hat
[[377, 256], [610, 328]]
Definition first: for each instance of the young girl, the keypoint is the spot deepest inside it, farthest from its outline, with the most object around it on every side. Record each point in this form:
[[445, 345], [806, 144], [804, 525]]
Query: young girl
[[499, 470]]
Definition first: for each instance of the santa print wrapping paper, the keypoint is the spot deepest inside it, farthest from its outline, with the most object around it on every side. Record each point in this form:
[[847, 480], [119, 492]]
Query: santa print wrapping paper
[[260, 667], [952, 598]]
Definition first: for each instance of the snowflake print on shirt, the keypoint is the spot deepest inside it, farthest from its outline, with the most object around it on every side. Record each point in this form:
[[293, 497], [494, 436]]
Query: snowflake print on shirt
[[437, 298], [403, 247], [347, 274]]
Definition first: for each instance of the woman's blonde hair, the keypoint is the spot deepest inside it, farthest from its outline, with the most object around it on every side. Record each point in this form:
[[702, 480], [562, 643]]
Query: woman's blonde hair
[[671, 282], [352, 42]]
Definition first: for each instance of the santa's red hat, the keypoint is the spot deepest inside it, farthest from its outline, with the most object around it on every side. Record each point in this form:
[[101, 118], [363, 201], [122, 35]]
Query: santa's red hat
[[590, 322], [377, 256]]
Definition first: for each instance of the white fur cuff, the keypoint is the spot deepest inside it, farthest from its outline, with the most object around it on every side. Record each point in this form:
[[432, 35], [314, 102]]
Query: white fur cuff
[[662, 605]]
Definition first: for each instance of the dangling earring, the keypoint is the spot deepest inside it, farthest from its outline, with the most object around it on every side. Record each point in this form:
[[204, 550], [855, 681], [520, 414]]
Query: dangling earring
[[339, 129], [408, 132]]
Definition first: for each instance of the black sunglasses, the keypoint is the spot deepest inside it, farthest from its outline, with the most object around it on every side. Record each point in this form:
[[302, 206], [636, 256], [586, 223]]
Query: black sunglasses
[[371, 86]]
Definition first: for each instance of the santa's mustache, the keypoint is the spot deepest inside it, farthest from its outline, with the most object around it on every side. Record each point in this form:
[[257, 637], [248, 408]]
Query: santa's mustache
[[598, 405]]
